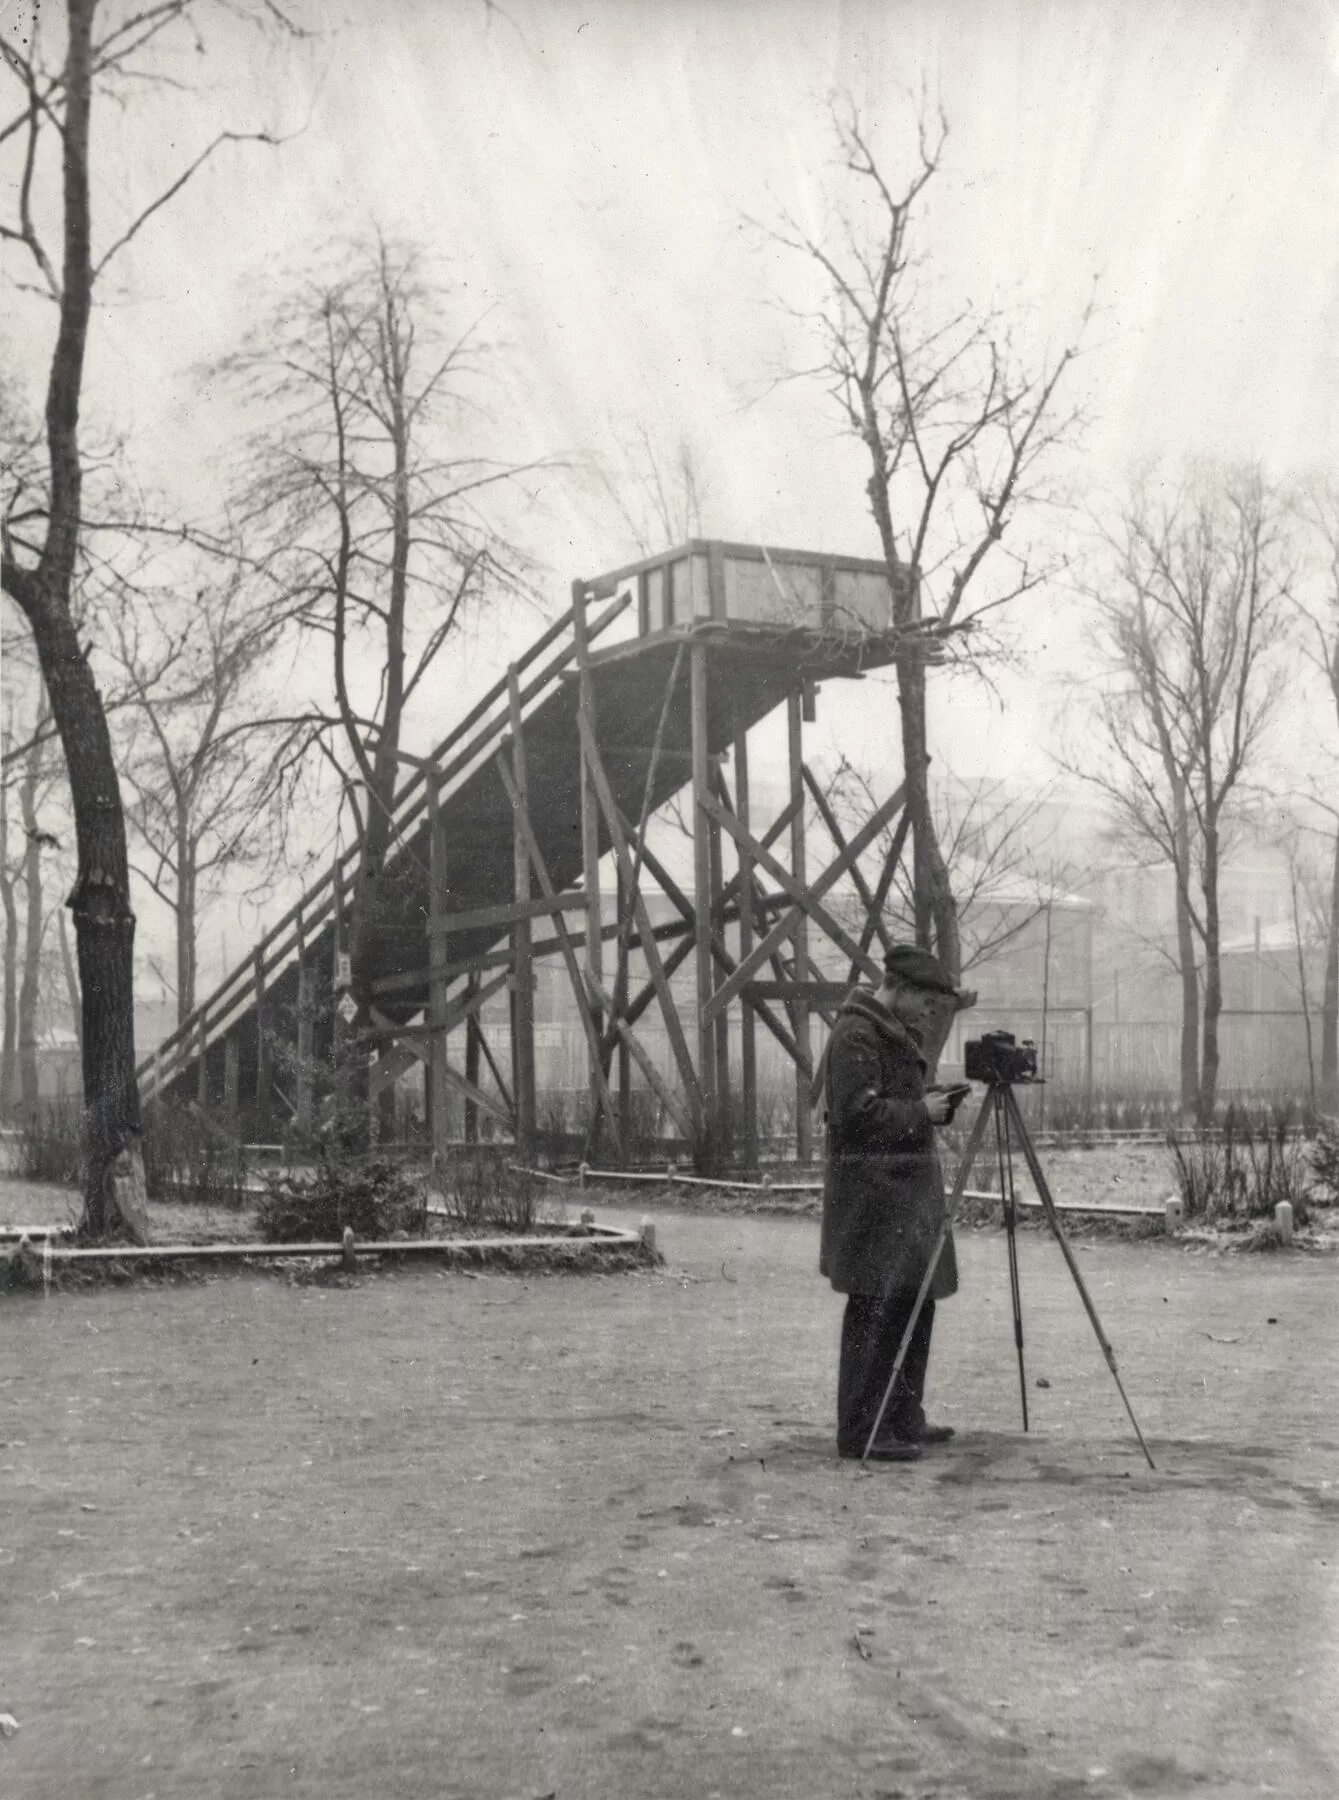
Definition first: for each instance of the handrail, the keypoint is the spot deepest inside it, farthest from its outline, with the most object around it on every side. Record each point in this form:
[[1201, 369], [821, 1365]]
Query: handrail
[[313, 907]]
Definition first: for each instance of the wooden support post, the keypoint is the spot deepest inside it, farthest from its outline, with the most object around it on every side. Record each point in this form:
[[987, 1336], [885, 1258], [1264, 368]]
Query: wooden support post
[[339, 1031], [473, 1039], [202, 1061], [262, 1054], [437, 1088], [590, 845], [748, 1047], [306, 1044], [231, 1078], [523, 978], [620, 1007], [706, 1038], [799, 1007], [721, 1023]]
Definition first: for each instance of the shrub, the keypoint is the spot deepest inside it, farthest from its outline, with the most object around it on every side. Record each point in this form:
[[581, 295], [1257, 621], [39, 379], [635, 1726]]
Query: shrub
[[485, 1190], [1325, 1160], [374, 1196], [1245, 1170], [51, 1144], [188, 1158]]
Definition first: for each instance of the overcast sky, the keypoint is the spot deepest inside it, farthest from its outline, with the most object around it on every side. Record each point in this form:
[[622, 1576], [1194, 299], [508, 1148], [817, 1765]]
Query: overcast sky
[[587, 169]]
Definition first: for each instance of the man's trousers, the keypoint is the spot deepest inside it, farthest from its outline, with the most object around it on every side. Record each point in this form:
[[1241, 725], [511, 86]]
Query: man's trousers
[[872, 1329]]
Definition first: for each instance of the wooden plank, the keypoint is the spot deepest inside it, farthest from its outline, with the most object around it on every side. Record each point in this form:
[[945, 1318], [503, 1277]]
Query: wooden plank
[[523, 979], [231, 1077], [456, 1014], [721, 1023], [873, 912], [887, 876], [484, 1101], [657, 1085], [321, 898], [574, 974], [824, 993], [833, 873], [262, 1051], [439, 1132], [799, 1011], [306, 1044], [675, 894], [473, 1039], [613, 824], [805, 904], [123, 1253], [704, 972], [596, 1064], [504, 915], [748, 1048]]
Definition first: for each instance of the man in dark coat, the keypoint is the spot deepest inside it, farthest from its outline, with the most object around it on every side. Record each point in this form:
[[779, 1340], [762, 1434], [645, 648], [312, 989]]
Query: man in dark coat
[[883, 1198]]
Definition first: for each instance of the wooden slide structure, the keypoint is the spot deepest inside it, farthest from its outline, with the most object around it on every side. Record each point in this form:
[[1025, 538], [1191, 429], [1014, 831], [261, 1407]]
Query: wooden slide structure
[[638, 694]]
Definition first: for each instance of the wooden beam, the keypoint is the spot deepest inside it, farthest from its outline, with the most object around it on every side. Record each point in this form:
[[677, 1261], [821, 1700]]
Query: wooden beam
[[675, 894], [523, 978], [706, 1042], [262, 1051], [574, 975], [886, 878], [476, 1095], [873, 912], [439, 1108], [805, 904], [508, 913], [833, 873], [748, 1048], [655, 1081], [673, 1025], [824, 993], [590, 850], [306, 1047], [799, 1011]]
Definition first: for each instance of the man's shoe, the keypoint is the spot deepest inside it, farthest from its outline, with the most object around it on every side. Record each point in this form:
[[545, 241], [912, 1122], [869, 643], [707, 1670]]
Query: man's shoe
[[886, 1449], [926, 1434]]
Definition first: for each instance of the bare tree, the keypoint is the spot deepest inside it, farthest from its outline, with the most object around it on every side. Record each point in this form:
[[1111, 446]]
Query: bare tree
[[108, 49], [1191, 624], [659, 491], [1317, 506], [376, 516], [203, 789], [956, 430], [999, 847]]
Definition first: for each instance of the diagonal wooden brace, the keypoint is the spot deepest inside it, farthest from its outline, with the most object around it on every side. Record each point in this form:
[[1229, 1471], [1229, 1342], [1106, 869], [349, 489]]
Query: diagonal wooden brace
[[613, 822], [817, 888]]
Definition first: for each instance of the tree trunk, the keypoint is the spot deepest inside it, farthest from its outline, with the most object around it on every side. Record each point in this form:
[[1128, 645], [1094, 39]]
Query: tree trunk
[[9, 1061], [1186, 962], [29, 1096], [104, 926], [100, 902], [1213, 980], [1329, 1029], [936, 912]]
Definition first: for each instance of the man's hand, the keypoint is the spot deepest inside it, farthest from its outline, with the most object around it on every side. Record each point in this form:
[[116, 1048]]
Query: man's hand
[[940, 1108]]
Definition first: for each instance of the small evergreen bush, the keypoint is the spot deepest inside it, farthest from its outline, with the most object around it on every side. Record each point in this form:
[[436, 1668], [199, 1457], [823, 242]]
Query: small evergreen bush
[[375, 1197]]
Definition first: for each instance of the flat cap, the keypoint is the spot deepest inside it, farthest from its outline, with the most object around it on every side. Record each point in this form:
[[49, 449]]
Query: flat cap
[[908, 962]]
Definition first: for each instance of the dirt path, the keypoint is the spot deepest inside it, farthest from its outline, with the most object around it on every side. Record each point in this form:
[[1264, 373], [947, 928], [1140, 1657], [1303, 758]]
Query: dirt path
[[435, 1536]]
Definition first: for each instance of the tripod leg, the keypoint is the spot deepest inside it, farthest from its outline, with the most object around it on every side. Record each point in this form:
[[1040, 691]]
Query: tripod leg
[[950, 1208], [1006, 1165], [1053, 1220]]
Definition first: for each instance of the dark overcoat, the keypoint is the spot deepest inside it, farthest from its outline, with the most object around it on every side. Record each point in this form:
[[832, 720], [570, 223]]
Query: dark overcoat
[[883, 1189]]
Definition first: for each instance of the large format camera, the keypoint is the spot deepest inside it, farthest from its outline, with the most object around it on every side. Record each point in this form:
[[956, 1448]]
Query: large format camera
[[997, 1056]]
